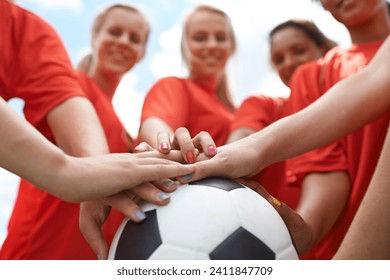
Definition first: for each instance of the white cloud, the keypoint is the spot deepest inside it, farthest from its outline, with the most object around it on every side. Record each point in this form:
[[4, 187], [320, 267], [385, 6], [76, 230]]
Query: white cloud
[[128, 103], [168, 61]]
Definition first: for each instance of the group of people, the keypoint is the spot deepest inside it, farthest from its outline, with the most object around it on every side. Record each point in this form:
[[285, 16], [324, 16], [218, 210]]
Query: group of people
[[289, 150]]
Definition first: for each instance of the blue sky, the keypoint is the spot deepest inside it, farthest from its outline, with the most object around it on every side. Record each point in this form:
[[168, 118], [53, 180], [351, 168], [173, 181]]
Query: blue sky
[[249, 70]]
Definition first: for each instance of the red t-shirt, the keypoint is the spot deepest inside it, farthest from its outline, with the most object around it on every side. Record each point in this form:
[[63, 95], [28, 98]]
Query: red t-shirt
[[358, 152], [44, 227], [257, 112], [184, 103], [34, 65]]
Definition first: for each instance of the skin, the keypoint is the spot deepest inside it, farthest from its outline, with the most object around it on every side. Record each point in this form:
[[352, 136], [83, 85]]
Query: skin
[[118, 45], [290, 48], [207, 46], [366, 21], [337, 110]]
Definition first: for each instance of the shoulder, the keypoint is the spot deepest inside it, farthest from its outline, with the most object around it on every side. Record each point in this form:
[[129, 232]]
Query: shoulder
[[169, 80], [26, 25], [167, 85]]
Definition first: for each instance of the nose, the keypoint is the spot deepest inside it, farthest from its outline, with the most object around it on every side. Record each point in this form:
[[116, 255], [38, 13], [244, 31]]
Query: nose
[[289, 61], [212, 43], [124, 39]]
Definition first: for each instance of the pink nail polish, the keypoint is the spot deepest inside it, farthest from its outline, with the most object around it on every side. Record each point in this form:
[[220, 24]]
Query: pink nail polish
[[164, 146], [211, 150], [190, 157]]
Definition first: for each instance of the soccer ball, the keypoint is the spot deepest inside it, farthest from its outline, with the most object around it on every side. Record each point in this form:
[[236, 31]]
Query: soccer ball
[[214, 218]]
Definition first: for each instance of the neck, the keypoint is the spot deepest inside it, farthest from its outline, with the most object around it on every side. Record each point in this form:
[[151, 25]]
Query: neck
[[376, 29], [108, 82], [208, 81]]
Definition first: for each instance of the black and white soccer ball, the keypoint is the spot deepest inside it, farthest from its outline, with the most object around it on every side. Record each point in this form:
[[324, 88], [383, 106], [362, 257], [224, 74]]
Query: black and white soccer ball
[[214, 218]]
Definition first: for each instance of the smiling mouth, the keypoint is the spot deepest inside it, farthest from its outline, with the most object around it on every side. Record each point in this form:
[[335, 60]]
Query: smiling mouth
[[120, 57]]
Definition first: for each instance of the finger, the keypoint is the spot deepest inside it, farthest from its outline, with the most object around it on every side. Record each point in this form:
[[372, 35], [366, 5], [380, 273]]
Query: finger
[[143, 147], [205, 143], [163, 142], [172, 155], [183, 142], [166, 185], [126, 203], [90, 223], [149, 192]]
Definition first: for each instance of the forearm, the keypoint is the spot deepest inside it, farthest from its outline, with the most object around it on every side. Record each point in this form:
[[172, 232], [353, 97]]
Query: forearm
[[323, 197], [240, 133], [24, 151], [331, 117], [150, 128]]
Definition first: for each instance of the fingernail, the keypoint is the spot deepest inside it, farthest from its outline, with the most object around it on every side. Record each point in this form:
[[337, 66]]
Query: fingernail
[[140, 215], [171, 183], [164, 146], [139, 149], [211, 150], [275, 201], [190, 157], [163, 196], [187, 177]]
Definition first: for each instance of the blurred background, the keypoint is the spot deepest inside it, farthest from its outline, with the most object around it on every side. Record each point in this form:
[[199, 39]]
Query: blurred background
[[249, 70]]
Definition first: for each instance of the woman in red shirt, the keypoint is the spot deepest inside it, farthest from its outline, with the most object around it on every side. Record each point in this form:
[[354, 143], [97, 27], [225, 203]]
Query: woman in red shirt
[[201, 101], [44, 227], [292, 43]]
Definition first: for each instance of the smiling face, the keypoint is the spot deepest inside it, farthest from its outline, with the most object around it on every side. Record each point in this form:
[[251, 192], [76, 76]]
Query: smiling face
[[207, 43], [353, 13], [119, 41], [290, 48]]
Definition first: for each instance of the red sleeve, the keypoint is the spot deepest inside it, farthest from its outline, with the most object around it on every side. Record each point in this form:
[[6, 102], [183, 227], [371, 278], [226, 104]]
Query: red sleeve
[[168, 101], [36, 66], [306, 87], [257, 112]]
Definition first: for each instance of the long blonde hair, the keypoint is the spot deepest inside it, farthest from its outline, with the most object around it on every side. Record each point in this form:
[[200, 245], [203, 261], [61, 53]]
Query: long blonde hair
[[85, 63], [223, 90]]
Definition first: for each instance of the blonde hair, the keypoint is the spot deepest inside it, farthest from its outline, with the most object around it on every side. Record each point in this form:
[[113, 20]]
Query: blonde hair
[[85, 63], [223, 91]]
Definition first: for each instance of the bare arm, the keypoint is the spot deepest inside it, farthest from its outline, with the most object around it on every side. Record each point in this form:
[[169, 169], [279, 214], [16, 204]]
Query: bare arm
[[368, 235], [337, 111], [25, 152], [240, 133], [322, 199]]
